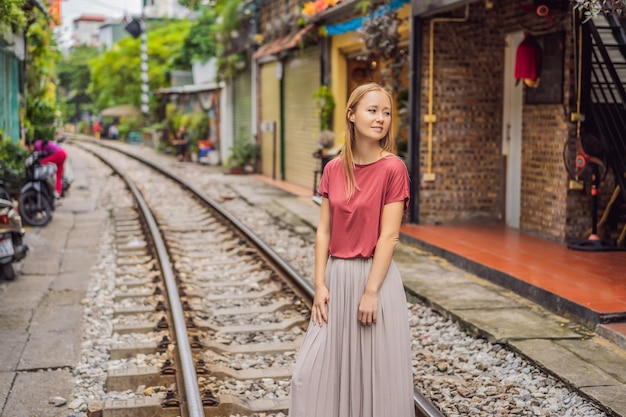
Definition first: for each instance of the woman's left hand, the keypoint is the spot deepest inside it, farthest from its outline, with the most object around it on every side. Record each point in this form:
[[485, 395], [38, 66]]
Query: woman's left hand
[[368, 308]]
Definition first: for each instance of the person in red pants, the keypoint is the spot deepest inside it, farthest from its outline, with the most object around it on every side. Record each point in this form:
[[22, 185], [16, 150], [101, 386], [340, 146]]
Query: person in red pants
[[97, 129], [53, 153]]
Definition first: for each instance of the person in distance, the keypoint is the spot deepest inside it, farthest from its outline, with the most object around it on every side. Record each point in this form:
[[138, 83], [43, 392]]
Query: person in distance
[[181, 143], [355, 359]]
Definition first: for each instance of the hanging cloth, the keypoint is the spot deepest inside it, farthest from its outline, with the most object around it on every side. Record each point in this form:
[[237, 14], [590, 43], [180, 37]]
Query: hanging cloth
[[528, 62]]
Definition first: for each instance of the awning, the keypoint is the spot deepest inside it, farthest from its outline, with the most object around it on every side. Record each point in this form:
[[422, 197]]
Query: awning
[[282, 44], [356, 23], [189, 89], [121, 111]]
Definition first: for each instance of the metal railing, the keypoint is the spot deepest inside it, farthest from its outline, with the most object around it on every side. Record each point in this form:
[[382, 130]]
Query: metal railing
[[608, 97]]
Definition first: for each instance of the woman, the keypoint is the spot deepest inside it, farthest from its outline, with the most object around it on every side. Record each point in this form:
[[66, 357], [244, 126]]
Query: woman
[[53, 153], [355, 360]]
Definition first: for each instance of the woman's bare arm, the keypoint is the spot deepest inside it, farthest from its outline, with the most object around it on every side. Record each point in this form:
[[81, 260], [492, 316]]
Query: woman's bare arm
[[322, 240], [389, 235]]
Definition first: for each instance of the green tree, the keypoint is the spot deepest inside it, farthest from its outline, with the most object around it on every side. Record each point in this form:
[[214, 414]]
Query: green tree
[[12, 14], [74, 77], [41, 112], [201, 44], [116, 74]]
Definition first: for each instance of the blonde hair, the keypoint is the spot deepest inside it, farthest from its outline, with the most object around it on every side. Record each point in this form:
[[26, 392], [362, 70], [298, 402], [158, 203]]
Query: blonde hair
[[386, 143]]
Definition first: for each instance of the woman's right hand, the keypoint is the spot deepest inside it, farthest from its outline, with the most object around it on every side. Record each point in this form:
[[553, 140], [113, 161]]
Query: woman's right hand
[[319, 313]]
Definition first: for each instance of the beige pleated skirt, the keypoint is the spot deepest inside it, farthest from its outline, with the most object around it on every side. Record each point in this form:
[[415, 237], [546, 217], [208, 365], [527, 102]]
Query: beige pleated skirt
[[345, 369]]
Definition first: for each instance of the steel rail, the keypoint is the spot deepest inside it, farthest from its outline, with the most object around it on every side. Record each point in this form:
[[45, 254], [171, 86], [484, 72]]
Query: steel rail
[[192, 401], [278, 261], [423, 406]]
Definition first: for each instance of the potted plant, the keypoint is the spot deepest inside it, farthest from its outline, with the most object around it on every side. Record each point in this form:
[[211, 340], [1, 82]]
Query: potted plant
[[242, 157]]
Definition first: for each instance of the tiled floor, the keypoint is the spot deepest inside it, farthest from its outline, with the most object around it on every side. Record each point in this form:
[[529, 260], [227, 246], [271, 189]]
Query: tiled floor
[[596, 280]]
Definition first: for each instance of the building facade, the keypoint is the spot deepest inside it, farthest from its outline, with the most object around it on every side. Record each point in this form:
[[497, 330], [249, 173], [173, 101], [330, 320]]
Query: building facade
[[484, 142], [86, 30]]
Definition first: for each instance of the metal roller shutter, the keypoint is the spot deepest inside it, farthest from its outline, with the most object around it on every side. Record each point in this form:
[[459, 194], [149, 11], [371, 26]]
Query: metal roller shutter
[[302, 78], [9, 86], [242, 97], [270, 116]]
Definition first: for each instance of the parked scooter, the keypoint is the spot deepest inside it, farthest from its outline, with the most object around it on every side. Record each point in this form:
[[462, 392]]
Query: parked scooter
[[12, 249], [36, 200]]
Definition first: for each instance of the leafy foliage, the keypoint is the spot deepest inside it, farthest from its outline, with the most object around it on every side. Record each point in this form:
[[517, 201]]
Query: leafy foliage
[[228, 31], [593, 8], [381, 37], [74, 76], [42, 56], [228, 65], [116, 74], [73, 69], [198, 126], [41, 112], [40, 119], [229, 20], [127, 125], [325, 105], [201, 43], [192, 4], [244, 152], [12, 14], [12, 173]]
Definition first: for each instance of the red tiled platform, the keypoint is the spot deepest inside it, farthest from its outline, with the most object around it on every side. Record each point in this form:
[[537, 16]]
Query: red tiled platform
[[590, 286], [584, 284]]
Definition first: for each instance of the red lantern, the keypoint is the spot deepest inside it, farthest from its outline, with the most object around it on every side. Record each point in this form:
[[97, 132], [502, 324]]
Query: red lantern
[[528, 61]]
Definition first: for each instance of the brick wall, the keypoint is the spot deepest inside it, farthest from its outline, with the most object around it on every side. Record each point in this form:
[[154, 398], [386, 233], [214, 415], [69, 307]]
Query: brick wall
[[544, 178], [467, 137]]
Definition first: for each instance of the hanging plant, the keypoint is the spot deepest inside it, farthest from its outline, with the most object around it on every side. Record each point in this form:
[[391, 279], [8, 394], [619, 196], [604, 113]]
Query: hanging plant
[[229, 66], [380, 35]]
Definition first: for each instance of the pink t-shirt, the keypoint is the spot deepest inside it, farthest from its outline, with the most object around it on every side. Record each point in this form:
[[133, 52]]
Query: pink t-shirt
[[355, 225], [49, 148]]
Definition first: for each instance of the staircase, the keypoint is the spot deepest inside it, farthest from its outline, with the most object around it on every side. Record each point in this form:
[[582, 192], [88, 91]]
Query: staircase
[[608, 108]]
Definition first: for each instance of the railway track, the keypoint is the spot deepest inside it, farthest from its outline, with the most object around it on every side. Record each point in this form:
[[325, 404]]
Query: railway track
[[208, 317]]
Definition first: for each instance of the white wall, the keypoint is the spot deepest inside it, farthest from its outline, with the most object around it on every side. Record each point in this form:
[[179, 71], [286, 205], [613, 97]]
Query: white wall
[[204, 72], [86, 33]]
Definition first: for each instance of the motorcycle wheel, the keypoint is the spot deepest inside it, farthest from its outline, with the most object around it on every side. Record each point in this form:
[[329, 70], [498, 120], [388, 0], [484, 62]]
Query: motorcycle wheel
[[7, 271], [33, 213]]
